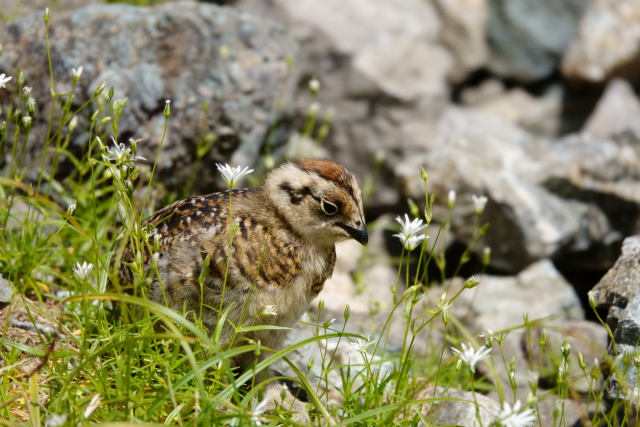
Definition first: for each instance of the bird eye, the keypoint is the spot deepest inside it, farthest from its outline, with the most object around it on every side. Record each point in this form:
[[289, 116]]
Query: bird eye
[[328, 207]]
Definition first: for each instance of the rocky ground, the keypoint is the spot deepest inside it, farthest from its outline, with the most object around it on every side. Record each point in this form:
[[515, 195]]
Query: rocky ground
[[532, 103]]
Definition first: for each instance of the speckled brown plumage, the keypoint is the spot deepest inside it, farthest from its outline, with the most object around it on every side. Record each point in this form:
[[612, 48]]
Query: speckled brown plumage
[[276, 249]]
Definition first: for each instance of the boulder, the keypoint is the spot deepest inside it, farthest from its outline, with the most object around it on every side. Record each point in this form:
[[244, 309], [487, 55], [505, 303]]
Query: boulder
[[464, 34], [617, 112], [619, 294], [500, 302], [226, 74], [528, 37], [607, 43]]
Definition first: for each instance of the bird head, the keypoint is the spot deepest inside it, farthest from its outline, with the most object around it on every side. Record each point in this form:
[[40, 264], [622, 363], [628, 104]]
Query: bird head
[[320, 199]]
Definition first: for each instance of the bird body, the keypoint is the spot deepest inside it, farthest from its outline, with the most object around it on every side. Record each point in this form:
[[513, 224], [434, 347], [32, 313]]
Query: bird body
[[264, 252]]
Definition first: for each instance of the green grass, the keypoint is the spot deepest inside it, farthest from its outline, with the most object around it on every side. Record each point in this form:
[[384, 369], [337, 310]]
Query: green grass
[[138, 361]]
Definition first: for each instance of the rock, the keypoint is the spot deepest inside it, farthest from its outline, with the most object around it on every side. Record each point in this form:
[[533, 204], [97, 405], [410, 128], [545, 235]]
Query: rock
[[422, 74], [604, 174], [460, 410], [464, 27], [618, 292], [528, 37], [479, 153], [607, 43], [193, 54], [277, 396], [617, 112], [358, 24], [539, 115], [499, 303], [6, 292]]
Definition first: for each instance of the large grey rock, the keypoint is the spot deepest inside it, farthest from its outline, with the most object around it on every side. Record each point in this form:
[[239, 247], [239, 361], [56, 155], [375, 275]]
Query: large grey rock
[[500, 302], [457, 408], [196, 55], [464, 33], [607, 43], [617, 111], [480, 153], [619, 293], [529, 37], [539, 115]]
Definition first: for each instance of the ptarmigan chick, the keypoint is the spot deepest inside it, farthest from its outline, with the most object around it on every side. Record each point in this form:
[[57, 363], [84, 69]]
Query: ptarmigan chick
[[269, 260]]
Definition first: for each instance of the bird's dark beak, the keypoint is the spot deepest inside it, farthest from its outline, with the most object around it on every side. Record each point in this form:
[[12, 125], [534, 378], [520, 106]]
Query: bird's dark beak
[[359, 234]]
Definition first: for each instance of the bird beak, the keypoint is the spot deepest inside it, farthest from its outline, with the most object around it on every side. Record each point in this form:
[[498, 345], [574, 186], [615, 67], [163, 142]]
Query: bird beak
[[359, 234]]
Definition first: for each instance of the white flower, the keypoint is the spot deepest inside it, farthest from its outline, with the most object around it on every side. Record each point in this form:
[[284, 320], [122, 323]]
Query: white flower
[[411, 227], [55, 420], [4, 79], [232, 175], [26, 90], [409, 235], [451, 198], [26, 121], [92, 406], [514, 417], [411, 242], [488, 336], [479, 203], [269, 310], [470, 356], [119, 152], [73, 123], [76, 73], [314, 85], [82, 270], [444, 307], [362, 344], [31, 104], [72, 207]]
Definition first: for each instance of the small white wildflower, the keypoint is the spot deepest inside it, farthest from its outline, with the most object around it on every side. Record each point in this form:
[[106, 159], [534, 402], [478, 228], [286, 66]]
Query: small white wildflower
[[411, 242], [82, 270], [72, 207], [563, 369], [92, 406], [269, 310], [118, 152], [314, 85], [479, 203], [232, 175], [411, 227], [73, 123], [55, 420], [362, 344], [488, 335], [31, 104], [451, 198], [76, 73], [470, 356], [27, 90], [409, 235], [4, 79], [444, 307], [514, 417], [26, 121], [314, 108]]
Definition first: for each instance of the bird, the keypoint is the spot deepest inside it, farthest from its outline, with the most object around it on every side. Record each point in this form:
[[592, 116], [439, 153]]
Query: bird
[[262, 254]]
